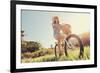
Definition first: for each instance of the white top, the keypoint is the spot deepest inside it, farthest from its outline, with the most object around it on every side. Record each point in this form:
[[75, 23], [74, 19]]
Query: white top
[[56, 29]]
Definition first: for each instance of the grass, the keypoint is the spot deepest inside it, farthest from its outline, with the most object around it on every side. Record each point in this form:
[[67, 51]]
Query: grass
[[50, 56]]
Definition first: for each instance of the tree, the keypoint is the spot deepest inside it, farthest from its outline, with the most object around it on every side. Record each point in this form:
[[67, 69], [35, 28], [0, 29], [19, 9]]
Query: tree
[[22, 34], [86, 38]]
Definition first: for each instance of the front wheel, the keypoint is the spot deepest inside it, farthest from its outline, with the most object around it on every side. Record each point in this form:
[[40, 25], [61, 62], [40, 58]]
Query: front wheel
[[74, 46], [56, 51]]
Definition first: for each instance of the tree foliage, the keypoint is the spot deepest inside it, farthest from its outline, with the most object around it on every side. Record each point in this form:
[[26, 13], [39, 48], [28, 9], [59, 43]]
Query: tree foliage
[[30, 46], [86, 38]]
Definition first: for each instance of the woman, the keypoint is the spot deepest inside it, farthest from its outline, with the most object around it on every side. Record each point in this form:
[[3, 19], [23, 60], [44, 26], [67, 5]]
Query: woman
[[60, 32], [57, 33]]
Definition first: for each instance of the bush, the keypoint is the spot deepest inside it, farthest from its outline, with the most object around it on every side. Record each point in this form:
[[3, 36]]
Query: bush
[[30, 46]]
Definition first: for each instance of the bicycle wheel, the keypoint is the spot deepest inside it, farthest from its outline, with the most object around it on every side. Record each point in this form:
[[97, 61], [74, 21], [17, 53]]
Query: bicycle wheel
[[56, 51], [74, 46]]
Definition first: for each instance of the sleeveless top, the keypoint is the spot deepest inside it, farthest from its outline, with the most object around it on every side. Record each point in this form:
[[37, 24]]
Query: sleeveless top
[[56, 29]]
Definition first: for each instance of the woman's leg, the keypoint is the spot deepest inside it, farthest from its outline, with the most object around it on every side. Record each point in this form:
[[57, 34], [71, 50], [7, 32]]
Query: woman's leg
[[59, 47], [60, 39]]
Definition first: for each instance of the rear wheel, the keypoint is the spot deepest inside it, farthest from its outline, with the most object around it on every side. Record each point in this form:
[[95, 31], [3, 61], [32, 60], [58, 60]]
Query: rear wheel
[[73, 45]]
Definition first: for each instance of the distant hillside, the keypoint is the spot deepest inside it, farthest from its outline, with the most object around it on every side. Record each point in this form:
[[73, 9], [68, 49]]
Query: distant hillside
[[85, 37]]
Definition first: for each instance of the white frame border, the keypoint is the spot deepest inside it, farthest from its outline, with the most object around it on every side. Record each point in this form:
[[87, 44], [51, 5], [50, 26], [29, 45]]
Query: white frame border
[[20, 65]]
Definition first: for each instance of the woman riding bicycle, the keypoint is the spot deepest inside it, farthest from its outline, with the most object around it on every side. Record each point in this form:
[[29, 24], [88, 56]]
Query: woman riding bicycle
[[61, 31]]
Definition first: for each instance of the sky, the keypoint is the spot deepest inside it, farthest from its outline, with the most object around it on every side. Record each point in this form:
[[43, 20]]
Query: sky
[[38, 24]]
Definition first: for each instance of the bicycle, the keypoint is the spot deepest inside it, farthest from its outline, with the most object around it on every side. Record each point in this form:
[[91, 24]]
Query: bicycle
[[69, 43]]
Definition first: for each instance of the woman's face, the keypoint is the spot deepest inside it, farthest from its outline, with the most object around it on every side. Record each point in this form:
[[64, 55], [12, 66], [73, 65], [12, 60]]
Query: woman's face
[[55, 20]]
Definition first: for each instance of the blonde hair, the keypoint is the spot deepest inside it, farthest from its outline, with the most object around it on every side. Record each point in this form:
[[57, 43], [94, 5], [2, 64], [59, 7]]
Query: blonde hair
[[55, 20]]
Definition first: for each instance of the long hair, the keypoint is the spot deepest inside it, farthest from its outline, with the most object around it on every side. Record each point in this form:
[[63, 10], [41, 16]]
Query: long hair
[[55, 20]]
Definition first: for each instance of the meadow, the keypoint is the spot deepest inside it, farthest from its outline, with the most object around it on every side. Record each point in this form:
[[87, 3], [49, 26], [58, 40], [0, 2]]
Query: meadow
[[48, 55]]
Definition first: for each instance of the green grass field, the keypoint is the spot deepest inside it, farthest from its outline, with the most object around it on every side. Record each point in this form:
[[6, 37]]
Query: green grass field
[[46, 55]]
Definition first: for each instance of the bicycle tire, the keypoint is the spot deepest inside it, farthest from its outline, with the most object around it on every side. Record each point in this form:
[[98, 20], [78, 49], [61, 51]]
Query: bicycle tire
[[56, 53], [81, 54]]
